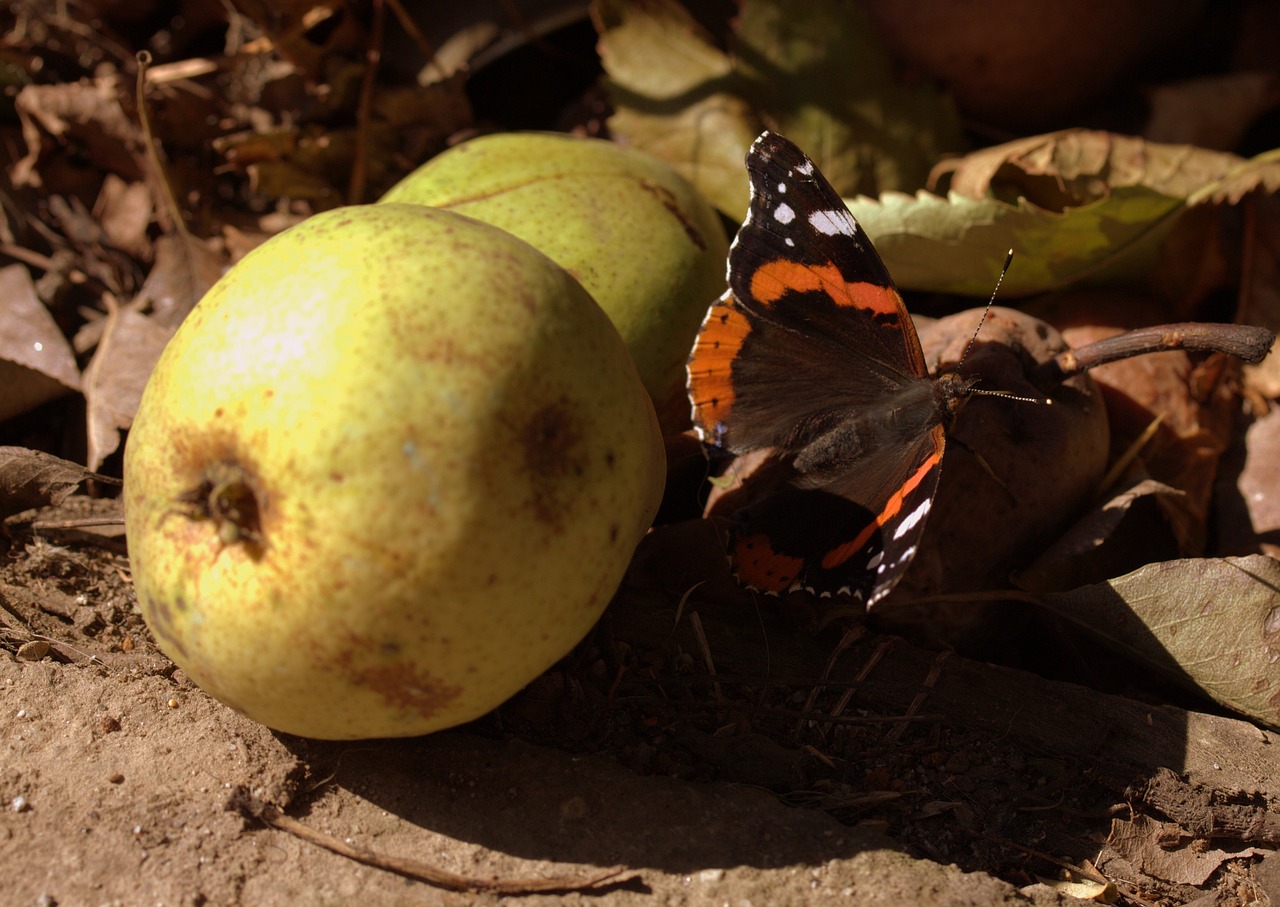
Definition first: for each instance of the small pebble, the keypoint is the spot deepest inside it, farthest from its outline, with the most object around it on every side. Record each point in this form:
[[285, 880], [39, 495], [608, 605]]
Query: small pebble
[[19, 804], [172, 703], [115, 778]]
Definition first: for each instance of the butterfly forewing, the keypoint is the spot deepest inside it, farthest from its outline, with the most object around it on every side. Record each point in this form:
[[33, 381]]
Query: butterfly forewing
[[812, 354], [800, 239]]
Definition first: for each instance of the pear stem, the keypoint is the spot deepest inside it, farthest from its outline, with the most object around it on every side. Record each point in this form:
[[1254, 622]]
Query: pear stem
[[228, 495]]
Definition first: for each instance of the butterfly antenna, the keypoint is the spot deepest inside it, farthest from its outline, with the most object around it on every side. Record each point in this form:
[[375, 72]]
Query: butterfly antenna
[[978, 392], [981, 321]]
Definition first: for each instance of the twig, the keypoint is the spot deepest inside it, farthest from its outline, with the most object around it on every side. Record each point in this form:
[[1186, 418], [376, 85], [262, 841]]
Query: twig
[[411, 29], [930, 681], [271, 814], [364, 111], [169, 201], [696, 623], [76, 522], [1242, 340], [849, 637]]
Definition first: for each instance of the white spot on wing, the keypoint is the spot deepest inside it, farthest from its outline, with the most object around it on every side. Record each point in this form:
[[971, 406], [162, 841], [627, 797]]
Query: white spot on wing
[[805, 168], [784, 214], [782, 188], [905, 557], [913, 519], [833, 223]]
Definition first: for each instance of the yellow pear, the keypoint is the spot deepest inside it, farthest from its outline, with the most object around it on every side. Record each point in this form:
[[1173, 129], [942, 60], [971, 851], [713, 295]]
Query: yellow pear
[[647, 247], [390, 468]]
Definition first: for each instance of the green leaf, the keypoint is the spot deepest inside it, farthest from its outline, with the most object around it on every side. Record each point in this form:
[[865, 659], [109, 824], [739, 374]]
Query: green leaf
[[1211, 624], [1077, 207], [811, 71], [958, 244]]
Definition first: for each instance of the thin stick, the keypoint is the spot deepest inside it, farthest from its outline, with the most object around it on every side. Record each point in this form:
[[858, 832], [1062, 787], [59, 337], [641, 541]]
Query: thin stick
[[364, 112], [849, 637], [411, 29], [422, 872], [169, 201], [930, 681], [1241, 340], [696, 622], [77, 522]]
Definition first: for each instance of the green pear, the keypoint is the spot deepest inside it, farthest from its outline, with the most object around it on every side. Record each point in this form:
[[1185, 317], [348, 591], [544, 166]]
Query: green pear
[[634, 232], [390, 468]]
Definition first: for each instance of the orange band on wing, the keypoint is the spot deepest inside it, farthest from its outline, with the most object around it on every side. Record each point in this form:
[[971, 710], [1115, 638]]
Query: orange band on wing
[[837, 556], [711, 363], [773, 279], [757, 565]]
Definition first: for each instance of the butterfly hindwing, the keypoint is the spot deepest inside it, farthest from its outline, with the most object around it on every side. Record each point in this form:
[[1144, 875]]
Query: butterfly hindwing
[[812, 354]]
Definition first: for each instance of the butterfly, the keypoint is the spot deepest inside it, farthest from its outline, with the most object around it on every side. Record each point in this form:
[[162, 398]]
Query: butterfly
[[811, 355]]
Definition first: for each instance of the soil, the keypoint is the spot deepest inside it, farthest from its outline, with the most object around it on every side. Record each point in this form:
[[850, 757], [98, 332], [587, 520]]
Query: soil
[[934, 779], [700, 747]]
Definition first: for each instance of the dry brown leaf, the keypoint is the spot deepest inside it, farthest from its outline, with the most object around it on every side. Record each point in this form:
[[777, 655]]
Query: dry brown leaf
[[88, 245], [124, 211], [88, 113], [32, 478], [308, 33], [1210, 625], [1247, 502], [184, 270], [1088, 551], [1073, 167], [1165, 851], [130, 345], [36, 362]]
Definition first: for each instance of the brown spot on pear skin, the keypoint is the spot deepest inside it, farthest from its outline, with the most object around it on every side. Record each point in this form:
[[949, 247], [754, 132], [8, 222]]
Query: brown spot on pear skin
[[398, 682], [408, 689], [553, 453]]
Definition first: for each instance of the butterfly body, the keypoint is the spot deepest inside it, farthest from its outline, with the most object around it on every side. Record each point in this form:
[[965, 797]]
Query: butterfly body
[[812, 355]]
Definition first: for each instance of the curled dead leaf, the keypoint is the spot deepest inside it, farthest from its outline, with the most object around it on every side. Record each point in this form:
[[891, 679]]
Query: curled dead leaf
[[87, 113], [32, 478], [127, 351], [1164, 850], [36, 362], [1210, 625]]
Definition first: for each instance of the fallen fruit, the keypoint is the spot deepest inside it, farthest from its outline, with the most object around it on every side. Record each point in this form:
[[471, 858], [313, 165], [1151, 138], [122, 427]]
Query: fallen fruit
[[634, 232], [391, 468]]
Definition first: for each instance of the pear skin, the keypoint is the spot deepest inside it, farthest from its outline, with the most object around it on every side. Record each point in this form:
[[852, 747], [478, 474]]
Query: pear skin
[[637, 235], [391, 468]]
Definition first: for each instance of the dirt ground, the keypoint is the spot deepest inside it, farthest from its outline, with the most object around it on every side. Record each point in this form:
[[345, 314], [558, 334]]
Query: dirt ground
[[938, 780], [701, 746]]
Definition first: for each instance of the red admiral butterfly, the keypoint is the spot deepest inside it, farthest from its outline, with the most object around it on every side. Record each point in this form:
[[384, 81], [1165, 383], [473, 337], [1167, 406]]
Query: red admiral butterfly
[[811, 353]]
